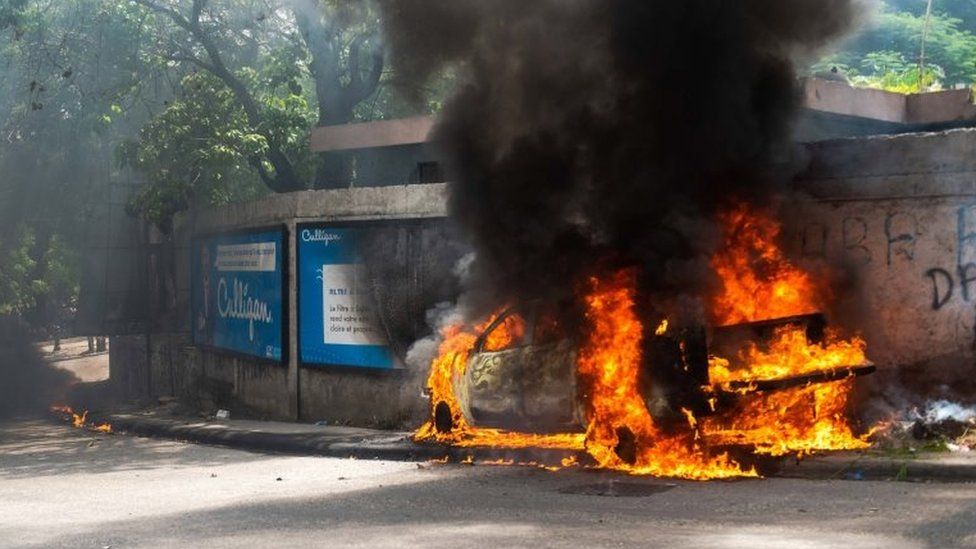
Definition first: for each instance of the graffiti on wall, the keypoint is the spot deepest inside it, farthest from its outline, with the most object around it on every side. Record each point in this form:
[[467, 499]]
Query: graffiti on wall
[[891, 240], [900, 231], [957, 282]]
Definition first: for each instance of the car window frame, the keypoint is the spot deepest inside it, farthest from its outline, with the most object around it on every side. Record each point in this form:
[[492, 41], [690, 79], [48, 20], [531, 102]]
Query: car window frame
[[529, 318]]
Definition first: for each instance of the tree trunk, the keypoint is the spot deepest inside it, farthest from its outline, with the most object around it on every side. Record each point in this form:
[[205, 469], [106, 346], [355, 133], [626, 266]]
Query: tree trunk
[[335, 169], [336, 99]]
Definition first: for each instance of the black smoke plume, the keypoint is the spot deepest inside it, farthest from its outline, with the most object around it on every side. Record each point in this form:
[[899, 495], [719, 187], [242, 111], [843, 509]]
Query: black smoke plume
[[30, 385], [608, 130]]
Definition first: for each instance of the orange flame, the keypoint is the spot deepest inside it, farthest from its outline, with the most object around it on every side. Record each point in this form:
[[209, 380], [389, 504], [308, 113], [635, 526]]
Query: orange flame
[[609, 364], [80, 421], [799, 420], [449, 364], [759, 283], [789, 353]]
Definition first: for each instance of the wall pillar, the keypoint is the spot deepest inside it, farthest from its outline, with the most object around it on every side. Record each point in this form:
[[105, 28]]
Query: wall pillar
[[294, 405]]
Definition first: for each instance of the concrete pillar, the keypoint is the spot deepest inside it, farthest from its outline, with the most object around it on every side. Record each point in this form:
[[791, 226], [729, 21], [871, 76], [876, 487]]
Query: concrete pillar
[[294, 406]]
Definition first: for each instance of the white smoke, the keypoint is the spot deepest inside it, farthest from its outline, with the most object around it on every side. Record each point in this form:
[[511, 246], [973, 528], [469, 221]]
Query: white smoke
[[941, 410], [423, 351]]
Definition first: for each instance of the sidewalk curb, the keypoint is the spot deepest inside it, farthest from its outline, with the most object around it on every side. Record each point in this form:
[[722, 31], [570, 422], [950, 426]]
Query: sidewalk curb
[[393, 446], [869, 467], [397, 446]]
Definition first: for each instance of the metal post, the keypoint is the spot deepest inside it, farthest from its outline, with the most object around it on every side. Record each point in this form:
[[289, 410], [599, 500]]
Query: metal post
[[921, 54]]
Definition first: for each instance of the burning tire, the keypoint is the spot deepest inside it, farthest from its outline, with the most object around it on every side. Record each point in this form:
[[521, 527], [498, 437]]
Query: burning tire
[[443, 418]]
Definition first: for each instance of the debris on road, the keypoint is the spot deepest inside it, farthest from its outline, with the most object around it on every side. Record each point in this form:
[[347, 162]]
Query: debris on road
[[80, 421]]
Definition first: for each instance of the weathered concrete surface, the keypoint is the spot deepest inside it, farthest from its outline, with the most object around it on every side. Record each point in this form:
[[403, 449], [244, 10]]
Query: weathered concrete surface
[[419, 252], [319, 439], [128, 366], [915, 108], [840, 98], [267, 436], [385, 400], [379, 133], [64, 488], [358, 203], [901, 213]]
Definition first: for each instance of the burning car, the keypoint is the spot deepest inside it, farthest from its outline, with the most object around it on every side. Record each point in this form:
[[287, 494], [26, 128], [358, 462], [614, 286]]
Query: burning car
[[520, 374], [767, 378]]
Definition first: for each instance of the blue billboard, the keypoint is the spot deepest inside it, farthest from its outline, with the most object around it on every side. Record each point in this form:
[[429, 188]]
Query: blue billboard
[[237, 290], [337, 318]]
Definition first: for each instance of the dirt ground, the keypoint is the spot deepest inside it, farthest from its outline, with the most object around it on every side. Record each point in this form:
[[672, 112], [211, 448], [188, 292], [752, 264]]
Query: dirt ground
[[73, 357]]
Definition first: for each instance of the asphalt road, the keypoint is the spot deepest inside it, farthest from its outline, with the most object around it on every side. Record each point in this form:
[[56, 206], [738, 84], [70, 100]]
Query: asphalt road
[[61, 487]]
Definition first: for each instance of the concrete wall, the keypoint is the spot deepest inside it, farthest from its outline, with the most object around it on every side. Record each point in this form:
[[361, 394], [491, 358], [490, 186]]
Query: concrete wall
[[900, 211], [833, 109], [915, 108], [396, 165], [127, 366], [217, 380]]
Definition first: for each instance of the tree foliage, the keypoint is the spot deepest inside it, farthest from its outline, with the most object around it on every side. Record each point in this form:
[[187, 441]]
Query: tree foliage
[[327, 54], [199, 102], [887, 52], [72, 83], [23, 286], [201, 148]]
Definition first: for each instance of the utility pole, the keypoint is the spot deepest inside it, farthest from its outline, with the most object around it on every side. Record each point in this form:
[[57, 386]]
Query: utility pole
[[921, 55]]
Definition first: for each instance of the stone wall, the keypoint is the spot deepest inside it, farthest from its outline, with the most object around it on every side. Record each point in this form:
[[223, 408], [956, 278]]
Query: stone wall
[[900, 213]]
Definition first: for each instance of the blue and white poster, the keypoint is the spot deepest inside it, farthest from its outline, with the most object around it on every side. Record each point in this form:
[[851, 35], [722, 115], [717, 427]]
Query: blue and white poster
[[337, 321], [237, 293]]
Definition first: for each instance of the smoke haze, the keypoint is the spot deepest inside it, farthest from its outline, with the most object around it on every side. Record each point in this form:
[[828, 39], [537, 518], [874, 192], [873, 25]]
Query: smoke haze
[[590, 130], [29, 384]]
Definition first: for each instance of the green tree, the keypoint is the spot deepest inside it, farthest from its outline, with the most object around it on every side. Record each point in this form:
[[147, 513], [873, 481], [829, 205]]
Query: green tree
[[202, 148], [886, 53], [18, 289], [214, 100], [336, 44], [964, 10], [10, 12], [200, 101], [73, 83], [24, 286], [59, 287]]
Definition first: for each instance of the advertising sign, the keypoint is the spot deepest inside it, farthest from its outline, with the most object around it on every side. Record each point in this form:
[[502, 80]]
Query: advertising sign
[[237, 292], [337, 320]]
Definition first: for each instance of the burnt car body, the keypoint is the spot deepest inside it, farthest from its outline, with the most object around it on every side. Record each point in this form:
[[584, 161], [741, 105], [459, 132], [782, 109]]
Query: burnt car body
[[531, 383]]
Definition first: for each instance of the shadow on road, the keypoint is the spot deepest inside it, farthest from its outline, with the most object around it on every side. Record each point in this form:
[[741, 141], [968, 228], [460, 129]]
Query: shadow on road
[[488, 507], [38, 447]]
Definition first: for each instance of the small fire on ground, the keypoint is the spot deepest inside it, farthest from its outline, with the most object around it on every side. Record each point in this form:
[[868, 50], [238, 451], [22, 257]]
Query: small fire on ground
[[80, 421], [786, 395]]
